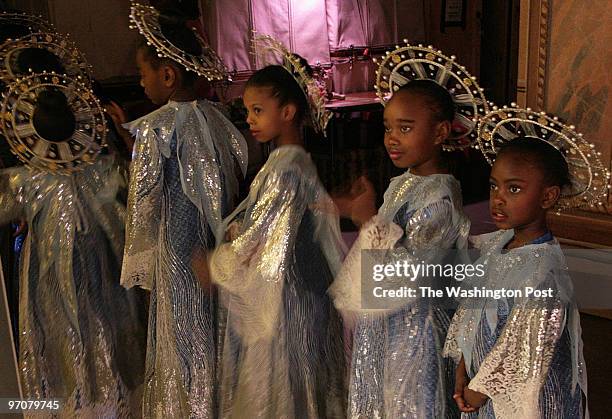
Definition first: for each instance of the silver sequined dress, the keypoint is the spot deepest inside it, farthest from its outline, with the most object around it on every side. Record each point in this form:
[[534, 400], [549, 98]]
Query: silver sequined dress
[[397, 369], [283, 352], [80, 337], [524, 353], [183, 179]]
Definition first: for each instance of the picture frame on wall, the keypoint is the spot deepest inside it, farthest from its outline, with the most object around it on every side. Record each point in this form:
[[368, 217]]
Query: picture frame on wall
[[453, 14]]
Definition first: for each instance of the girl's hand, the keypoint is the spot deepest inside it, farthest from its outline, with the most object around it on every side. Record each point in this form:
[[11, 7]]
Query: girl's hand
[[116, 113], [232, 231], [119, 118], [199, 266], [360, 204], [461, 382], [474, 398]]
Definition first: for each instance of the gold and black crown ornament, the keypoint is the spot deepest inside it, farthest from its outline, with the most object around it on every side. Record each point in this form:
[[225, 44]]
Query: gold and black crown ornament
[[30, 23], [208, 64], [417, 62], [589, 178], [68, 56], [64, 155], [270, 51]]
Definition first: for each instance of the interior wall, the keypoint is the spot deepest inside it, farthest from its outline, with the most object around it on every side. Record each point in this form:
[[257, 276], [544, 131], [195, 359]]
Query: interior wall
[[101, 31], [464, 43], [578, 81], [99, 28]]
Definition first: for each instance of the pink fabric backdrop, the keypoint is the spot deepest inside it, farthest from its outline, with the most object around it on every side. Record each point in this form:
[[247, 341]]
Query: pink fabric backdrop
[[313, 28]]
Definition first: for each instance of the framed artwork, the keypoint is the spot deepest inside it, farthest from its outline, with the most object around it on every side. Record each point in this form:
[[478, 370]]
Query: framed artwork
[[566, 74], [453, 14]]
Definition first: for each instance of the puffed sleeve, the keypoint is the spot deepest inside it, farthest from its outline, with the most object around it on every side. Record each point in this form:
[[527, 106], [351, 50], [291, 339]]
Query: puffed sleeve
[[251, 268], [143, 209], [427, 233], [513, 373]]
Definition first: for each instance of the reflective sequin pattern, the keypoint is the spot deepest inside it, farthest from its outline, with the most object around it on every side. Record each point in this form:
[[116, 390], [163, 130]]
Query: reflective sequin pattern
[[524, 353], [397, 366], [80, 337], [183, 183], [283, 352]]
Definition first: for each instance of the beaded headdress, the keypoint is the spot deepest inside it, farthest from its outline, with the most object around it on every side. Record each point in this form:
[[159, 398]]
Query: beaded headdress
[[72, 60], [30, 23], [589, 178], [416, 62], [271, 51], [208, 64], [62, 156]]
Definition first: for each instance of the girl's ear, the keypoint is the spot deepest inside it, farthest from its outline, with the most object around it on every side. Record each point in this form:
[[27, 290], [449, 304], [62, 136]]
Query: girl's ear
[[550, 196], [442, 131], [169, 75], [288, 112]]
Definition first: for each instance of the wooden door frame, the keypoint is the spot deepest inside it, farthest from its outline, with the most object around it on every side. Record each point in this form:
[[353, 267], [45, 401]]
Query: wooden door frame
[[533, 53]]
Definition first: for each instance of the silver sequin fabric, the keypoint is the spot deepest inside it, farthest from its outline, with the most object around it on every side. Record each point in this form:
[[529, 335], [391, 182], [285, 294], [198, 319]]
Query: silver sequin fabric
[[524, 353], [80, 336], [283, 350], [182, 183]]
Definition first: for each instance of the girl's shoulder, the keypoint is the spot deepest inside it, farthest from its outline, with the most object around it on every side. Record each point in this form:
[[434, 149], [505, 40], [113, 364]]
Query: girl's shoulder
[[489, 240], [290, 160], [287, 167], [436, 190], [444, 185], [161, 117]]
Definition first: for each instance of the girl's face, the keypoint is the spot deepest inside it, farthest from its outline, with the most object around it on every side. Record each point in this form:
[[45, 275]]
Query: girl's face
[[412, 138], [519, 196], [265, 115], [155, 81]]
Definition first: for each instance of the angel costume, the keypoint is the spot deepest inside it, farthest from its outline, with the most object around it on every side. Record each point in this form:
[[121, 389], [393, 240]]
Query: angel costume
[[397, 368], [80, 339], [524, 353], [182, 183], [283, 352]]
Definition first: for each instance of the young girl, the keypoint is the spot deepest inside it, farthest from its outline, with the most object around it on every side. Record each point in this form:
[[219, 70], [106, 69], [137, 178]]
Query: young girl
[[283, 350], [182, 184], [80, 338], [397, 366], [522, 356]]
